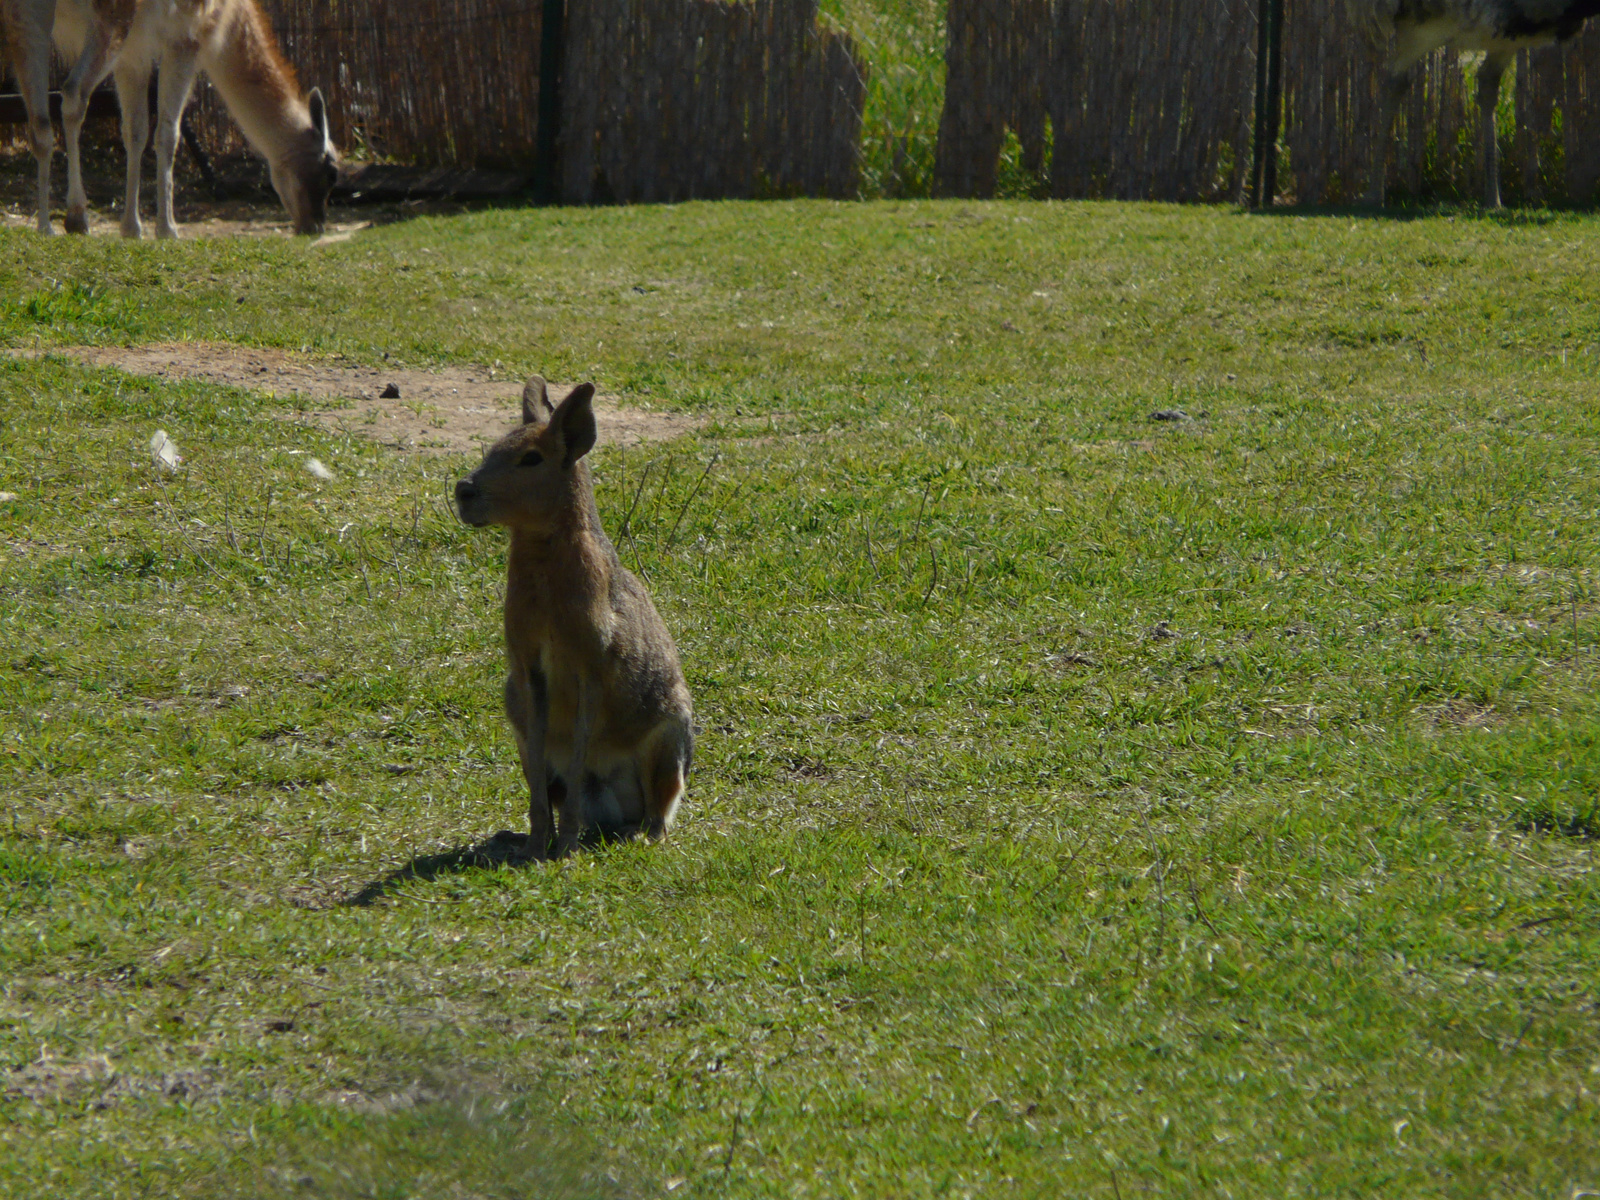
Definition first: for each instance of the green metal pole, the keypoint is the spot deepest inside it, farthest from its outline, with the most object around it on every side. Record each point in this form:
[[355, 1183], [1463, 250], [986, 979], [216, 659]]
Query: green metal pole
[[552, 50], [1269, 182], [1259, 145]]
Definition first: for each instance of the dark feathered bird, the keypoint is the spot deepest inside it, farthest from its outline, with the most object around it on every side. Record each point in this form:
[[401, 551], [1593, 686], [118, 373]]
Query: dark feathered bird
[[1499, 28]]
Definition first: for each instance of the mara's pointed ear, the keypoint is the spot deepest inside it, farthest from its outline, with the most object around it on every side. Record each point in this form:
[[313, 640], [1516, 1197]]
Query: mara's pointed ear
[[575, 418], [536, 406], [319, 114]]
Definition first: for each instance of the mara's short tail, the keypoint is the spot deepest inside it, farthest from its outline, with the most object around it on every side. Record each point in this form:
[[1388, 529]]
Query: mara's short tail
[[665, 776]]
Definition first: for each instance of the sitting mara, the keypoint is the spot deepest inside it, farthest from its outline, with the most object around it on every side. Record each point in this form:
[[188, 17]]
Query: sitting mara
[[594, 692]]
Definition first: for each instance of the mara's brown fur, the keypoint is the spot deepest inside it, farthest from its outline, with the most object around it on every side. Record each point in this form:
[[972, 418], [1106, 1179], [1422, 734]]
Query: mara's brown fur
[[594, 692], [230, 40]]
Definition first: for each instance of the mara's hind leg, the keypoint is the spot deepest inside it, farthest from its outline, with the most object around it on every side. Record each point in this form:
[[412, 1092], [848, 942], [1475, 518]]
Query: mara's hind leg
[[664, 778]]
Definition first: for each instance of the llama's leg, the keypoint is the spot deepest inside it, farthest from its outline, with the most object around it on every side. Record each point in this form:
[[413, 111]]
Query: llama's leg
[[31, 60], [1489, 75], [1396, 83], [133, 89], [75, 92], [74, 106], [178, 68]]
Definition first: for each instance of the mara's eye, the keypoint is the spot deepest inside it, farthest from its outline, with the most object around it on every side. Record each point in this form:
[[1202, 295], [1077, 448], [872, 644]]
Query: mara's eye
[[531, 459]]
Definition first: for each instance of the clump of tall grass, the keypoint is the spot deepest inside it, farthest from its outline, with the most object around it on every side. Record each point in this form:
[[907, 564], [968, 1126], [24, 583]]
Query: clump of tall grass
[[902, 43]]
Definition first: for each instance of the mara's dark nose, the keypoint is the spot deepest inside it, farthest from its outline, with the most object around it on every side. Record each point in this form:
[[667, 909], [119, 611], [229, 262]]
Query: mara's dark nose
[[465, 492]]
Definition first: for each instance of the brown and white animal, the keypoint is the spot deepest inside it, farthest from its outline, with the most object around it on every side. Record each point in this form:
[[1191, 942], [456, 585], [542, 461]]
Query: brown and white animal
[[230, 40], [594, 692], [1499, 28]]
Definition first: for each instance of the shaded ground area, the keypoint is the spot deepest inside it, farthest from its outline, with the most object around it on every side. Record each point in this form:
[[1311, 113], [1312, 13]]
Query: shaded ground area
[[248, 205], [448, 410], [230, 218]]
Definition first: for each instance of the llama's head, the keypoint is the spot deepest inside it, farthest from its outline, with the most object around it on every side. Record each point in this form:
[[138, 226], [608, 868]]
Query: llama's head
[[306, 172]]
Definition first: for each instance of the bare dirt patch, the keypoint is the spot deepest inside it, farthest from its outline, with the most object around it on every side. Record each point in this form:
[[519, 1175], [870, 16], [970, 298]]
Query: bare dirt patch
[[236, 220], [449, 410], [1460, 713]]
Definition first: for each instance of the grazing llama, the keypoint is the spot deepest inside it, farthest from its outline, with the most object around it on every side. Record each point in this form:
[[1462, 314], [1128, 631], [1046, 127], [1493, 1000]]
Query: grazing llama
[[230, 40], [1499, 28], [594, 693]]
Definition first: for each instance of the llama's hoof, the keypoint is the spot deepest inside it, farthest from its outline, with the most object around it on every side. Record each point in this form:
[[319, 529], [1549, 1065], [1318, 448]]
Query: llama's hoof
[[166, 232], [76, 222], [132, 230], [46, 229]]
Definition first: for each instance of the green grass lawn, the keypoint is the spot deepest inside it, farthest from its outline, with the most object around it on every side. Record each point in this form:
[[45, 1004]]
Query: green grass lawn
[[1085, 805]]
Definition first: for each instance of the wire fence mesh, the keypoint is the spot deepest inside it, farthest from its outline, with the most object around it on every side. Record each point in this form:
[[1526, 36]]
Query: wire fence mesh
[[662, 99], [1124, 99], [1153, 99]]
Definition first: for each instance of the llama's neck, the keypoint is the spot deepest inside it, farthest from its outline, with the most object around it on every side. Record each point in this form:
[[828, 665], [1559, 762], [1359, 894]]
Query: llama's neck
[[258, 87]]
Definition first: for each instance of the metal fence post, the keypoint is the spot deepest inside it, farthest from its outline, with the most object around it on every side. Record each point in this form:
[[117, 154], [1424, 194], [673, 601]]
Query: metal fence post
[[547, 146], [1269, 92], [1269, 186], [1258, 143]]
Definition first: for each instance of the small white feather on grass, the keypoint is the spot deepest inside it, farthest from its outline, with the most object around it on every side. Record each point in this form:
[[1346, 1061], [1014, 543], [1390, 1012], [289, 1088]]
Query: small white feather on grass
[[164, 451], [314, 465]]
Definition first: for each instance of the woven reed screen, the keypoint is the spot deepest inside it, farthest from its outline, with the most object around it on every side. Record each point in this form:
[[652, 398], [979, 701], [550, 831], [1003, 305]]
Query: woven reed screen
[[1147, 97], [431, 82], [1557, 150], [1143, 96], [661, 99], [1152, 99], [996, 67], [669, 101]]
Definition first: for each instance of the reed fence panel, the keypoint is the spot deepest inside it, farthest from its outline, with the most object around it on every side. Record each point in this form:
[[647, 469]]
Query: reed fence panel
[[1153, 99], [1332, 108], [429, 82], [996, 71], [661, 99], [1146, 98], [1557, 152], [1141, 96], [708, 98]]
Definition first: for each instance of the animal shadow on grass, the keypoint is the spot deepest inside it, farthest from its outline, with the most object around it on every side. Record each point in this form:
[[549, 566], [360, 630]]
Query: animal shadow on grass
[[506, 848], [1401, 211], [503, 849]]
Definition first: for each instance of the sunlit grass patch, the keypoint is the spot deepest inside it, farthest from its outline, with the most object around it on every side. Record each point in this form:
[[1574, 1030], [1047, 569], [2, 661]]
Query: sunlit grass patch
[[1085, 801]]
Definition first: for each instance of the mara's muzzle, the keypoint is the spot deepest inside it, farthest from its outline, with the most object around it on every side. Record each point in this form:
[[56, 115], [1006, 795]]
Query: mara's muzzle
[[469, 503]]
